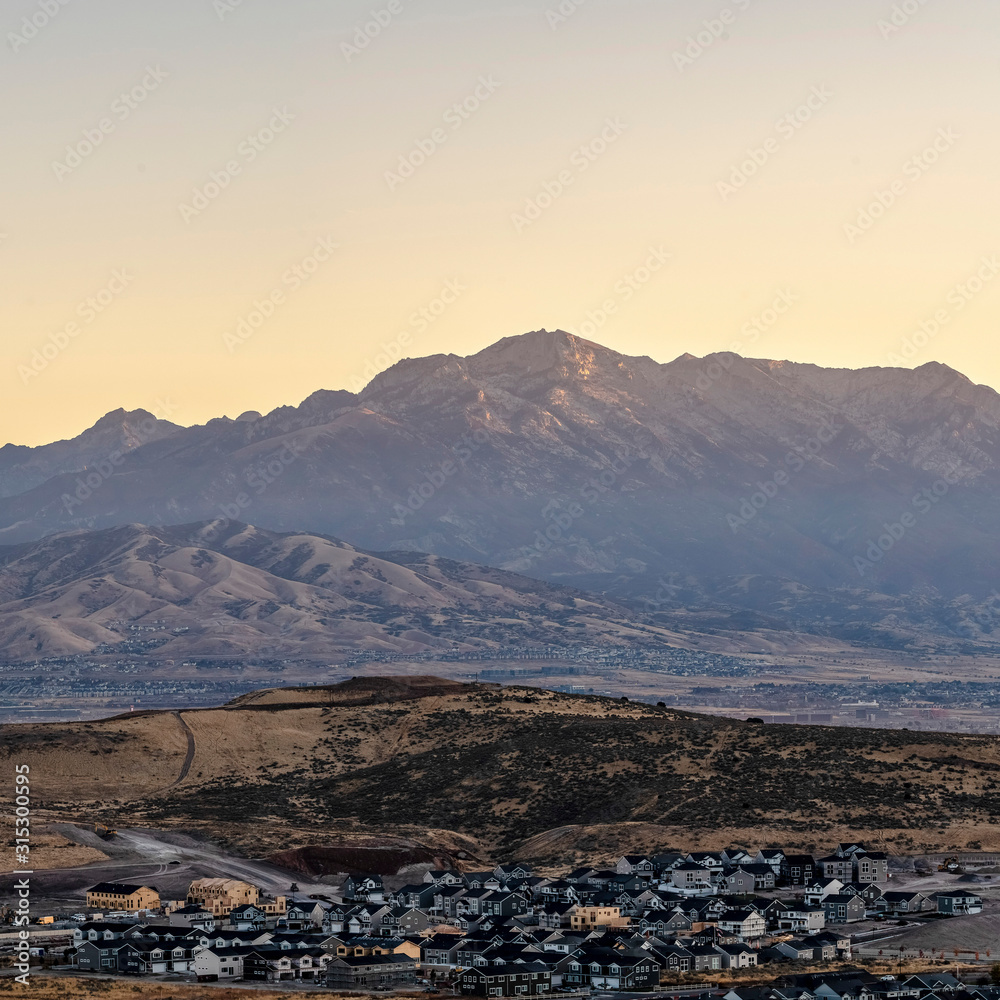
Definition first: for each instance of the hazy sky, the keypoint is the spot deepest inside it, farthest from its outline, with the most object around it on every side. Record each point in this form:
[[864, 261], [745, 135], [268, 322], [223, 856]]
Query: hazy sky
[[254, 135]]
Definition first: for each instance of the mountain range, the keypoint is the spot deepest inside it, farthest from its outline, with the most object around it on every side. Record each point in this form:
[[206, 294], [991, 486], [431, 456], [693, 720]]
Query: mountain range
[[763, 494]]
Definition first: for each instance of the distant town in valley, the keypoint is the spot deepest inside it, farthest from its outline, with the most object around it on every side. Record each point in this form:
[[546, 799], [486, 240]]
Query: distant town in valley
[[883, 692]]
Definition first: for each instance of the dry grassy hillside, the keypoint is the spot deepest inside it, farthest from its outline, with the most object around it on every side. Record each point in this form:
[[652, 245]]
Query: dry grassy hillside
[[518, 770]]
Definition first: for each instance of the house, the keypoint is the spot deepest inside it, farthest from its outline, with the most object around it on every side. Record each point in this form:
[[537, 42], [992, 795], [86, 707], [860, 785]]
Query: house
[[737, 956], [97, 956], [707, 859], [410, 920], [300, 913], [439, 950], [671, 957], [364, 887], [796, 917], [552, 916], [100, 930], [704, 957], [818, 890], [871, 866], [193, 917], [145, 957], [634, 864], [214, 963], [745, 923], [689, 875], [524, 979], [958, 901], [900, 902], [123, 896], [841, 909], [748, 878], [515, 871], [868, 891], [775, 859], [740, 882], [335, 917], [420, 895], [481, 880], [797, 950], [589, 918], [503, 904], [221, 895], [371, 918], [664, 922], [837, 866], [247, 918], [665, 862], [840, 940], [271, 964], [607, 969], [368, 971], [801, 868]]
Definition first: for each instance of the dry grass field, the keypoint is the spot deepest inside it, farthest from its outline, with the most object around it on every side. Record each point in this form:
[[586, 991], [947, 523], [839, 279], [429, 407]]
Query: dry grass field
[[45, 987], [495, 771]]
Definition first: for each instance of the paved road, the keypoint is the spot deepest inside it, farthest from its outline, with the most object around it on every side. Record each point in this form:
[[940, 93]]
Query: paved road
[[164, 859]]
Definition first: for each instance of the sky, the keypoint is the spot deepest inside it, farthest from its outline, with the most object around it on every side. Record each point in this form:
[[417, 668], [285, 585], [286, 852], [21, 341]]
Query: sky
[[212, 206]]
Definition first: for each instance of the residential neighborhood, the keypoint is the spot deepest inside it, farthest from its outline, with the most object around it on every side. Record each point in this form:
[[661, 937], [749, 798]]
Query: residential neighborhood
[[647, 921]]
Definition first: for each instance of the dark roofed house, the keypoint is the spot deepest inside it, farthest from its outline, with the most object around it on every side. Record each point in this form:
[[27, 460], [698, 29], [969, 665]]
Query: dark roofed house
[[367, 971], [520, 979], [123, 896], [843, 909], [958, 901]]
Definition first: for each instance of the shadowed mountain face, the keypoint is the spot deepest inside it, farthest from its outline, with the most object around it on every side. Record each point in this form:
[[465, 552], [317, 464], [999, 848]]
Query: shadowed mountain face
[[800, 495]]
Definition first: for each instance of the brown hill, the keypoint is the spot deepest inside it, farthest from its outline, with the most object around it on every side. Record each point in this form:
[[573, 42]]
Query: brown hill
[[223, 590], [518, 770]]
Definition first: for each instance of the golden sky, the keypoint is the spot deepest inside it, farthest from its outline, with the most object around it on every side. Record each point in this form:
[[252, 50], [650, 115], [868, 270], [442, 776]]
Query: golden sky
[[212, 206]]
